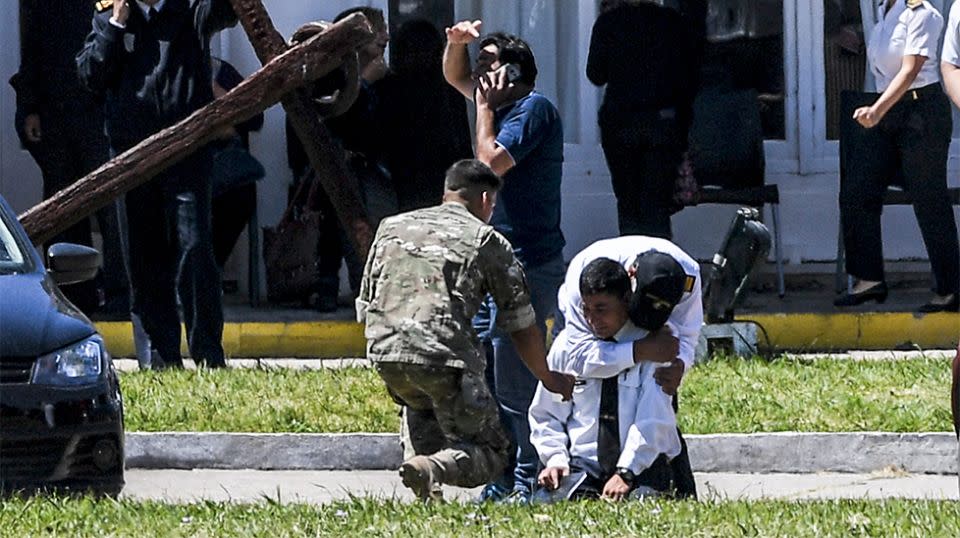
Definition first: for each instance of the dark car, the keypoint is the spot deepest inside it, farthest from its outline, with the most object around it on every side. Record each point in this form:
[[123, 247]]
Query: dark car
[[61, 412]]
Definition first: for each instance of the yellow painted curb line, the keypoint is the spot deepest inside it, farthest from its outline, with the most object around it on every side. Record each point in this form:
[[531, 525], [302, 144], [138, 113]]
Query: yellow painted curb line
[[864, 331], [297, 339], [796, 332]]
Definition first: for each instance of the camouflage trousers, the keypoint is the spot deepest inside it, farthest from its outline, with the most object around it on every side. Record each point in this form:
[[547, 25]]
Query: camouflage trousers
[[450, 416]]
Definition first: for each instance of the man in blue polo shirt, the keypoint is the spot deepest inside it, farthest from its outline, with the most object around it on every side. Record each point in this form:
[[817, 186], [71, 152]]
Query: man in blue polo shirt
[[520, 136]]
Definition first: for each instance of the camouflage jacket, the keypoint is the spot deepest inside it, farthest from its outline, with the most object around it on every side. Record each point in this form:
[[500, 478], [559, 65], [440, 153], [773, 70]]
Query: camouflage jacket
[[427, 273]]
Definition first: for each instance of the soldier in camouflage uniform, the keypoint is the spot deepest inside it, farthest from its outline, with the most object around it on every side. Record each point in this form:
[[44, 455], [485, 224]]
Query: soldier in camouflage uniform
[[427, 273]]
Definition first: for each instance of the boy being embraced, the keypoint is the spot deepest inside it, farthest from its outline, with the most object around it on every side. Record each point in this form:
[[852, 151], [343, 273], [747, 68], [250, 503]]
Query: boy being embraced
[[619, 431]]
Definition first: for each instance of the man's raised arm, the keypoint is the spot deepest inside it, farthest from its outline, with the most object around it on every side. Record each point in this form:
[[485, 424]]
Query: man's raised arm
[[456, 58]]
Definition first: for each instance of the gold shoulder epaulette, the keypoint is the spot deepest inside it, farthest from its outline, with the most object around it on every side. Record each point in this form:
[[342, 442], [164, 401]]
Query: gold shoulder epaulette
[[914, 4], [104, 5]]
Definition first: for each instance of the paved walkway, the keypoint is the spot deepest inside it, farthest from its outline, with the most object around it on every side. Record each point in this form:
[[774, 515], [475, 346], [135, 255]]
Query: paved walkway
[[319, 487]]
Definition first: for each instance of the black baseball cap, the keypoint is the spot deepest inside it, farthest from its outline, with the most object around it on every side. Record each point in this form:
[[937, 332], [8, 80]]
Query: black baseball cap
[[660, 283]]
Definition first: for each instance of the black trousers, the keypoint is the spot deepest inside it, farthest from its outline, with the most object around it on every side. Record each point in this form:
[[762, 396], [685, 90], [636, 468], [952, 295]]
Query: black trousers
[[171, 256], [908, 147], [380, 201], [232, 212], [684, 483], [643, 152], [658, 477], [333, 250], [72, 147]]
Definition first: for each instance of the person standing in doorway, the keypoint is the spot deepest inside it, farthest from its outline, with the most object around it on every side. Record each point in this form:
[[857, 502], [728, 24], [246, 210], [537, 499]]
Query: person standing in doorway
[[648, 58]]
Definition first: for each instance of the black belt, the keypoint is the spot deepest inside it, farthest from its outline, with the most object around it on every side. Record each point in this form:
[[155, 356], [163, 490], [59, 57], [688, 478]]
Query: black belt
[[925, 92]]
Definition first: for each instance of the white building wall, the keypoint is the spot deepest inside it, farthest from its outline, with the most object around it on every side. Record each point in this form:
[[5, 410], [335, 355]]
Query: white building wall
[[19, 175], [804, 165]]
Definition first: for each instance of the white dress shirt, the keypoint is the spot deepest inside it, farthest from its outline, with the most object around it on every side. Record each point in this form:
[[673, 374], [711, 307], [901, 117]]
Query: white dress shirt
[[592, 357], [146, 8], [951, 39], [563, 430], [904, 31], [143, 8]]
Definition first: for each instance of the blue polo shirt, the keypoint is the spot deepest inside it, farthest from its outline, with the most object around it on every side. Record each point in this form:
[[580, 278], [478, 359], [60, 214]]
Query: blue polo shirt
[[528, 207]]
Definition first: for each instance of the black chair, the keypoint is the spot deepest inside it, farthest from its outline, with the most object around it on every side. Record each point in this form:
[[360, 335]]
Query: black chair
[[726, 149], [754, 197]]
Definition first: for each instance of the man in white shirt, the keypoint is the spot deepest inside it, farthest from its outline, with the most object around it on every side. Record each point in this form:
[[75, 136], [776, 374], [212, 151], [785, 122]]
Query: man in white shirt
[[596, 358], [600, 342]]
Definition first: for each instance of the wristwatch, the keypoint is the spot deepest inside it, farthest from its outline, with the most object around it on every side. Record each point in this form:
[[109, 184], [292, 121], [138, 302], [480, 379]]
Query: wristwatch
[[627, 475]]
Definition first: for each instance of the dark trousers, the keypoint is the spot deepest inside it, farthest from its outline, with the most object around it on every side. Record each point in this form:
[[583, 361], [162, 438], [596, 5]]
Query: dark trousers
[[657, 477], [684, 484], [334, 248], [171, 256], [509, 379], [643, 153], [380, 201], [232, 211], [909, 146], [71, 148]]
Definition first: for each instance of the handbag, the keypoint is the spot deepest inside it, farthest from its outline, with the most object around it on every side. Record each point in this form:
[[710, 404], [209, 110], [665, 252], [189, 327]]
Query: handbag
[[686, 189], [234, 166], [291, 249]]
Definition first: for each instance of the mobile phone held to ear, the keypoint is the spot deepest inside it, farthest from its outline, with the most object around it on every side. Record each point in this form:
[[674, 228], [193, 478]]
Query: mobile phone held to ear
[[513, 72]]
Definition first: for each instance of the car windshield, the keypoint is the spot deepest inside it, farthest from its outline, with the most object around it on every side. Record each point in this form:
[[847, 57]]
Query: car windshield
[[13, 259]]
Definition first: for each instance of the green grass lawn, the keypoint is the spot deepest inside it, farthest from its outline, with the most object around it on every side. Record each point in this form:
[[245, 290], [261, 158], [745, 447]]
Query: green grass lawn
[[360, 517], [723, 395]]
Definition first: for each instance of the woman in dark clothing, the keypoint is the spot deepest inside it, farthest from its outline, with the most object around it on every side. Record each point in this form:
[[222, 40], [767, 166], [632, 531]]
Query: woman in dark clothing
[[647, 57]]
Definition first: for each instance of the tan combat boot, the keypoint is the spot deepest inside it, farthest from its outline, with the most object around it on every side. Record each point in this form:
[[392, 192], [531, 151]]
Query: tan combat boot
[[423, 476]]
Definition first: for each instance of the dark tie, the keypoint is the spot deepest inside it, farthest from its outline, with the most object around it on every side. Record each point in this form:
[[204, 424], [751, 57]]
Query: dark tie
[[608, 428], [151, 14]]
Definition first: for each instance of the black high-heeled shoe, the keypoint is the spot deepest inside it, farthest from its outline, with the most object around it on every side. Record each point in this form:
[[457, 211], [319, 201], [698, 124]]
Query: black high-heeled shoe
[[953, 305], [877, 292]]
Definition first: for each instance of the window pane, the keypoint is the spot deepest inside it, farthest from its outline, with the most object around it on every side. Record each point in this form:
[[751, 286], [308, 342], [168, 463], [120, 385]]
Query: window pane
[[844, 56], [745, 51]]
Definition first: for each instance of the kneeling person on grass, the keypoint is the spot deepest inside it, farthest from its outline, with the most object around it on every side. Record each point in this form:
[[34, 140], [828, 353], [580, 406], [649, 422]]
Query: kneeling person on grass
[[615, 437], [426, 275]]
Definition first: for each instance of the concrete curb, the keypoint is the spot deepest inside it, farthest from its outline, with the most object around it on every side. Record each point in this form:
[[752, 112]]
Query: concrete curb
[[262, 451], [782, 332], [856, 452], [787, 452]]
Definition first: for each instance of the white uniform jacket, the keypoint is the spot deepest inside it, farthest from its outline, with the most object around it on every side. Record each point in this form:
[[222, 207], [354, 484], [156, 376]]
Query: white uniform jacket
[[905, 31], [562, 430], [592, 357], [951, 39]]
